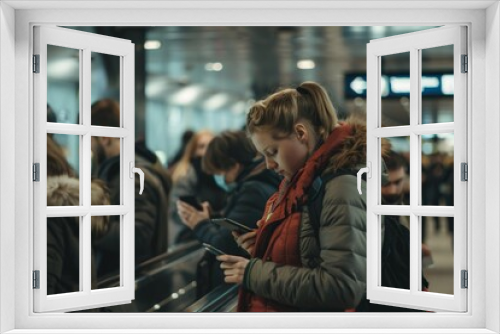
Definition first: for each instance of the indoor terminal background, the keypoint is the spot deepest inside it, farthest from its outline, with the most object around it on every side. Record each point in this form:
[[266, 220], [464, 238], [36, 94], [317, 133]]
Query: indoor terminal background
[[196, 78]]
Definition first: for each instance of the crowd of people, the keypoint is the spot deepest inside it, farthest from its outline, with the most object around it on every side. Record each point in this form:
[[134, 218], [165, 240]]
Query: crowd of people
[[295, 257]]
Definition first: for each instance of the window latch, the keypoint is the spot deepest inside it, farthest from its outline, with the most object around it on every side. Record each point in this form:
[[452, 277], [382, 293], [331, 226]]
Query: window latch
[[138, 171], [368, 171]]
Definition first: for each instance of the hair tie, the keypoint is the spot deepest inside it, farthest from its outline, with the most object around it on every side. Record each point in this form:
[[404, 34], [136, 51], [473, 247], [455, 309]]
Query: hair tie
[[301, 90]]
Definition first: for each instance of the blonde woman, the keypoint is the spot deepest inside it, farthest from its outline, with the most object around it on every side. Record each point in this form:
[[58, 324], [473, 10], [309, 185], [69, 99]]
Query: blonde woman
[[297, 264], [190, 180]]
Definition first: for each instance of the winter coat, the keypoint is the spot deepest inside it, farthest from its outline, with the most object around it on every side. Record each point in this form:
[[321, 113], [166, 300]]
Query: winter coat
[[246, 204], [151, 212], [297, 266], [63, 241]]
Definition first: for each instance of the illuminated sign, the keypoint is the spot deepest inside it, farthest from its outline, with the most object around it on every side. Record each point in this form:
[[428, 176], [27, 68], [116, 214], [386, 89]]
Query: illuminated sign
[[398, 85]]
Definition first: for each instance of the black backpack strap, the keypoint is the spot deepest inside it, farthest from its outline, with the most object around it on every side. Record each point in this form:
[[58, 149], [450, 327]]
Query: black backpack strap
[[317, 192]]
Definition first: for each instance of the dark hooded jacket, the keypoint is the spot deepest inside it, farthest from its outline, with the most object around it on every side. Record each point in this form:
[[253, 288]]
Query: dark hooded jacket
[[297, 266], [151, 211], [246, 204]]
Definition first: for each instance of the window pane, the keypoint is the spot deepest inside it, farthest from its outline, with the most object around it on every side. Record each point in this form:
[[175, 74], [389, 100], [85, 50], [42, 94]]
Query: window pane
[[106, 165], [437, 253], [106, 247], [396, 181], [63, 84], [63, 255], [400, 225], [437, 169], [437, 84], [105, 91], [63, 162], [395, 89]]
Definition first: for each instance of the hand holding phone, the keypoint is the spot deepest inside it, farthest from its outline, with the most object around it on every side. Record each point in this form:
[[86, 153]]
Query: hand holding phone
[[214, 250], [191, 200], [232, 225]]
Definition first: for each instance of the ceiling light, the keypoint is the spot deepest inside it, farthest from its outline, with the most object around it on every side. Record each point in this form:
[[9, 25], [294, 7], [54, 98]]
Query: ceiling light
[[306, 64], [216, 101], [152, 45], [187, 95], [213, 67]]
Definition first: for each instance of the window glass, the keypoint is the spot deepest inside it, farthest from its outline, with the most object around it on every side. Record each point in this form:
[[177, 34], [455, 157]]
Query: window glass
[[63, 88]]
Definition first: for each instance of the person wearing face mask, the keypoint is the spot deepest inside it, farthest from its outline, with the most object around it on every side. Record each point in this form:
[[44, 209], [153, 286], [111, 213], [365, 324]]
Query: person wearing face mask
[[296, 265], [237, 169], [189, 179]]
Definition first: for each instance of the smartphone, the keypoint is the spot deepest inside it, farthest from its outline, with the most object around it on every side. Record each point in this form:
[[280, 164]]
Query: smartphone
[[232, 225], [191, 200], [214, 250]]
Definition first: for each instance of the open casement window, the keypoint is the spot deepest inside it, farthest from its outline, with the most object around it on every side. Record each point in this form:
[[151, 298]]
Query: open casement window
[[65, 209], [418, 131]]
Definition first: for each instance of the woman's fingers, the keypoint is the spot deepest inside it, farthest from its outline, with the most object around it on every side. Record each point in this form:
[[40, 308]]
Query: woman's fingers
[[233, 267], [247, 236]]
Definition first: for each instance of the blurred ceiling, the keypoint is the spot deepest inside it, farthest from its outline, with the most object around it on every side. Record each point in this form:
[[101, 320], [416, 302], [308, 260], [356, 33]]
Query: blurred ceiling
[[218, 67]]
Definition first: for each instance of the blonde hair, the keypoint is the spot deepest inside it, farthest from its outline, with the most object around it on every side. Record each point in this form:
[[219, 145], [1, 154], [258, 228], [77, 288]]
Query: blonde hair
[[185, 162], [279, 112], [64, 190]]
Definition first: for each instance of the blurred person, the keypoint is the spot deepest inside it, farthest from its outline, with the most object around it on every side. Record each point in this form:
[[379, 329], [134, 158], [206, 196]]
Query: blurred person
[[233, 161], [63, 239], [190, 180], [295, 265], [151, 208], [186, 137], [393, 193], [397, 179], [433, 177]]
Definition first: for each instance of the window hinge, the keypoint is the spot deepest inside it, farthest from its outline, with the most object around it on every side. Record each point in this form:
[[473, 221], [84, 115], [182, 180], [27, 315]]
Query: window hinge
[[464, 171], [36, 279], [36, 63], [465, 64], [36, 172], [465, 279]]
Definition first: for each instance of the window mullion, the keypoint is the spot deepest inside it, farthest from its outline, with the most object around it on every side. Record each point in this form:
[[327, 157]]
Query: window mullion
[[415, 105], [85, 174]]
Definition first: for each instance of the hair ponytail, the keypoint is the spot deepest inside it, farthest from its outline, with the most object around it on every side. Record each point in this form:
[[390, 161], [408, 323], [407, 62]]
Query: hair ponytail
[[280, 111]]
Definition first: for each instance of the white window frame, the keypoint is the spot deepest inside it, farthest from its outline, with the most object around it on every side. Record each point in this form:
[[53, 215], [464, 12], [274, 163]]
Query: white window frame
[[413, 44], [85, 43], [483, 21]]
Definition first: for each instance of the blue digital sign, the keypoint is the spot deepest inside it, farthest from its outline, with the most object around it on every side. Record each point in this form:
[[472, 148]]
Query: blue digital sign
[[398, 85]]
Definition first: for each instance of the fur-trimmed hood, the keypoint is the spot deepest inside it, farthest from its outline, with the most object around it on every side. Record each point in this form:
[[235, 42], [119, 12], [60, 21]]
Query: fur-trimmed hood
[[64, 190], [353, 152]]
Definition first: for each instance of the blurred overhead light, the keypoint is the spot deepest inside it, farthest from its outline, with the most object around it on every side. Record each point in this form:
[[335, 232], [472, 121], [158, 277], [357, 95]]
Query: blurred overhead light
[[187, 95], [214, 67], [238, 108], [306, 64], [216, 101], [152, 45], [63, 69]]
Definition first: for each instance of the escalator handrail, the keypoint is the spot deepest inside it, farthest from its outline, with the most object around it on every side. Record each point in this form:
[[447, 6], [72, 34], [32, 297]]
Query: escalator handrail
[[216, 299], [168, 258]]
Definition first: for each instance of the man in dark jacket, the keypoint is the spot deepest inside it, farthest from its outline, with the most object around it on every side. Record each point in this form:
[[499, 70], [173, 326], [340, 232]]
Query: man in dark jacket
[[151, 208]]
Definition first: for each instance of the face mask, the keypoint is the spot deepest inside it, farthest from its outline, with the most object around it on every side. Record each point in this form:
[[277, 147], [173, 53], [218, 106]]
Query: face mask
[[220, 179]]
